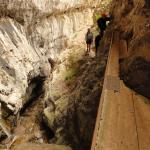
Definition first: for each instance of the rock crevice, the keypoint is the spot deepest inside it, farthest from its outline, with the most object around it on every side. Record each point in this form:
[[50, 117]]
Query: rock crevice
[[131, 19]]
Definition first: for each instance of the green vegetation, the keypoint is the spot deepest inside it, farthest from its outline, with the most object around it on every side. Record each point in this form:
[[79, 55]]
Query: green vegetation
[[97, 16], [69, 74], [72, 66], [72, 59]]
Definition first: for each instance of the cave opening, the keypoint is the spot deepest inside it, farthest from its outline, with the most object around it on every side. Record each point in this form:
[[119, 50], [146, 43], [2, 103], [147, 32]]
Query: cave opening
[[34, 90]]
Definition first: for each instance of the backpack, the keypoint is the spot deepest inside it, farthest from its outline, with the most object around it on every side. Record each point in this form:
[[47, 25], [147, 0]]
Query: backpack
[[89, 36]]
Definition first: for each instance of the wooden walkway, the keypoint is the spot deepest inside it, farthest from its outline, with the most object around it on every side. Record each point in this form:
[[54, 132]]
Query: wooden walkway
[[123, 120]]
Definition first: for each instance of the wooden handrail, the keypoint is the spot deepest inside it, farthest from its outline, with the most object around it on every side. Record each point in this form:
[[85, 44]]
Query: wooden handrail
[[123, 115], [111, 74], [97, 125]]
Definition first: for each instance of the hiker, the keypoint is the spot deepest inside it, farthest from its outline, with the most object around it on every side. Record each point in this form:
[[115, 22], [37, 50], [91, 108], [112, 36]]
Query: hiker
[[101, 22], [89, 39], [97, 42]]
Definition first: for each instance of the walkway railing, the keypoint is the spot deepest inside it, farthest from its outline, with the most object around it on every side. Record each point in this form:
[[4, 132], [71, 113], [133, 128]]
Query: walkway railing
[[123, 119]]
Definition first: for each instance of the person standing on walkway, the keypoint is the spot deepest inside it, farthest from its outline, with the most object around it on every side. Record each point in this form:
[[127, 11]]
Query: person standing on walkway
[[101, 22], [89, 39], [97, 43]]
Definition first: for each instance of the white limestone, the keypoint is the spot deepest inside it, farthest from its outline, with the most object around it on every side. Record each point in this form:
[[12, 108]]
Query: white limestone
[[32, 35]]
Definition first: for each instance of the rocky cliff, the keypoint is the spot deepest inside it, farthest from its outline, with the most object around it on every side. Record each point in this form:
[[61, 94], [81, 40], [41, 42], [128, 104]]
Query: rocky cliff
[[33, 35], [31, 32], [132, 21], [71, 114]]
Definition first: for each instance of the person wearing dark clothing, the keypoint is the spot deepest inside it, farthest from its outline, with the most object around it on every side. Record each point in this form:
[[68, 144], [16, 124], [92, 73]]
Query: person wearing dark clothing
[[97, 42], [101, 22], [89, 40]]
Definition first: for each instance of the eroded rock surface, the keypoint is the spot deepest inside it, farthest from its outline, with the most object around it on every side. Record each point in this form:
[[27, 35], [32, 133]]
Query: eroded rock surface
[[132, 20], [31, 32], [19, 62]]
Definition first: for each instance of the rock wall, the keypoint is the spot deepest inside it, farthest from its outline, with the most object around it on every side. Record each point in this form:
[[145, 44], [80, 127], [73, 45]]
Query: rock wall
[[54, 34], [132, 20], [31, 32], [71, 114], [19, 64]]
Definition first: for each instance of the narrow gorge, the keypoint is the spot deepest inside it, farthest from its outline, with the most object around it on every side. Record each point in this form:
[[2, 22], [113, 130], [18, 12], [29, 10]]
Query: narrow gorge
[[42, 46], [50, 88]]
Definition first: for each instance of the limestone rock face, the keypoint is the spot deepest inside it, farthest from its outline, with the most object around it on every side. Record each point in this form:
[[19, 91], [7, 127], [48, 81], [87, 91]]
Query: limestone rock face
[[19, 63], [54, 34], [132, 19], [31, 32]]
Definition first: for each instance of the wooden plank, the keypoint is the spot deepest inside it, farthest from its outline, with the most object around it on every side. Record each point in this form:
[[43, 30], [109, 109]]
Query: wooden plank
[[95, 140], [117, 126], [127, 133], [142, 111], [112, 83], [113, 62], [106, 135]]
